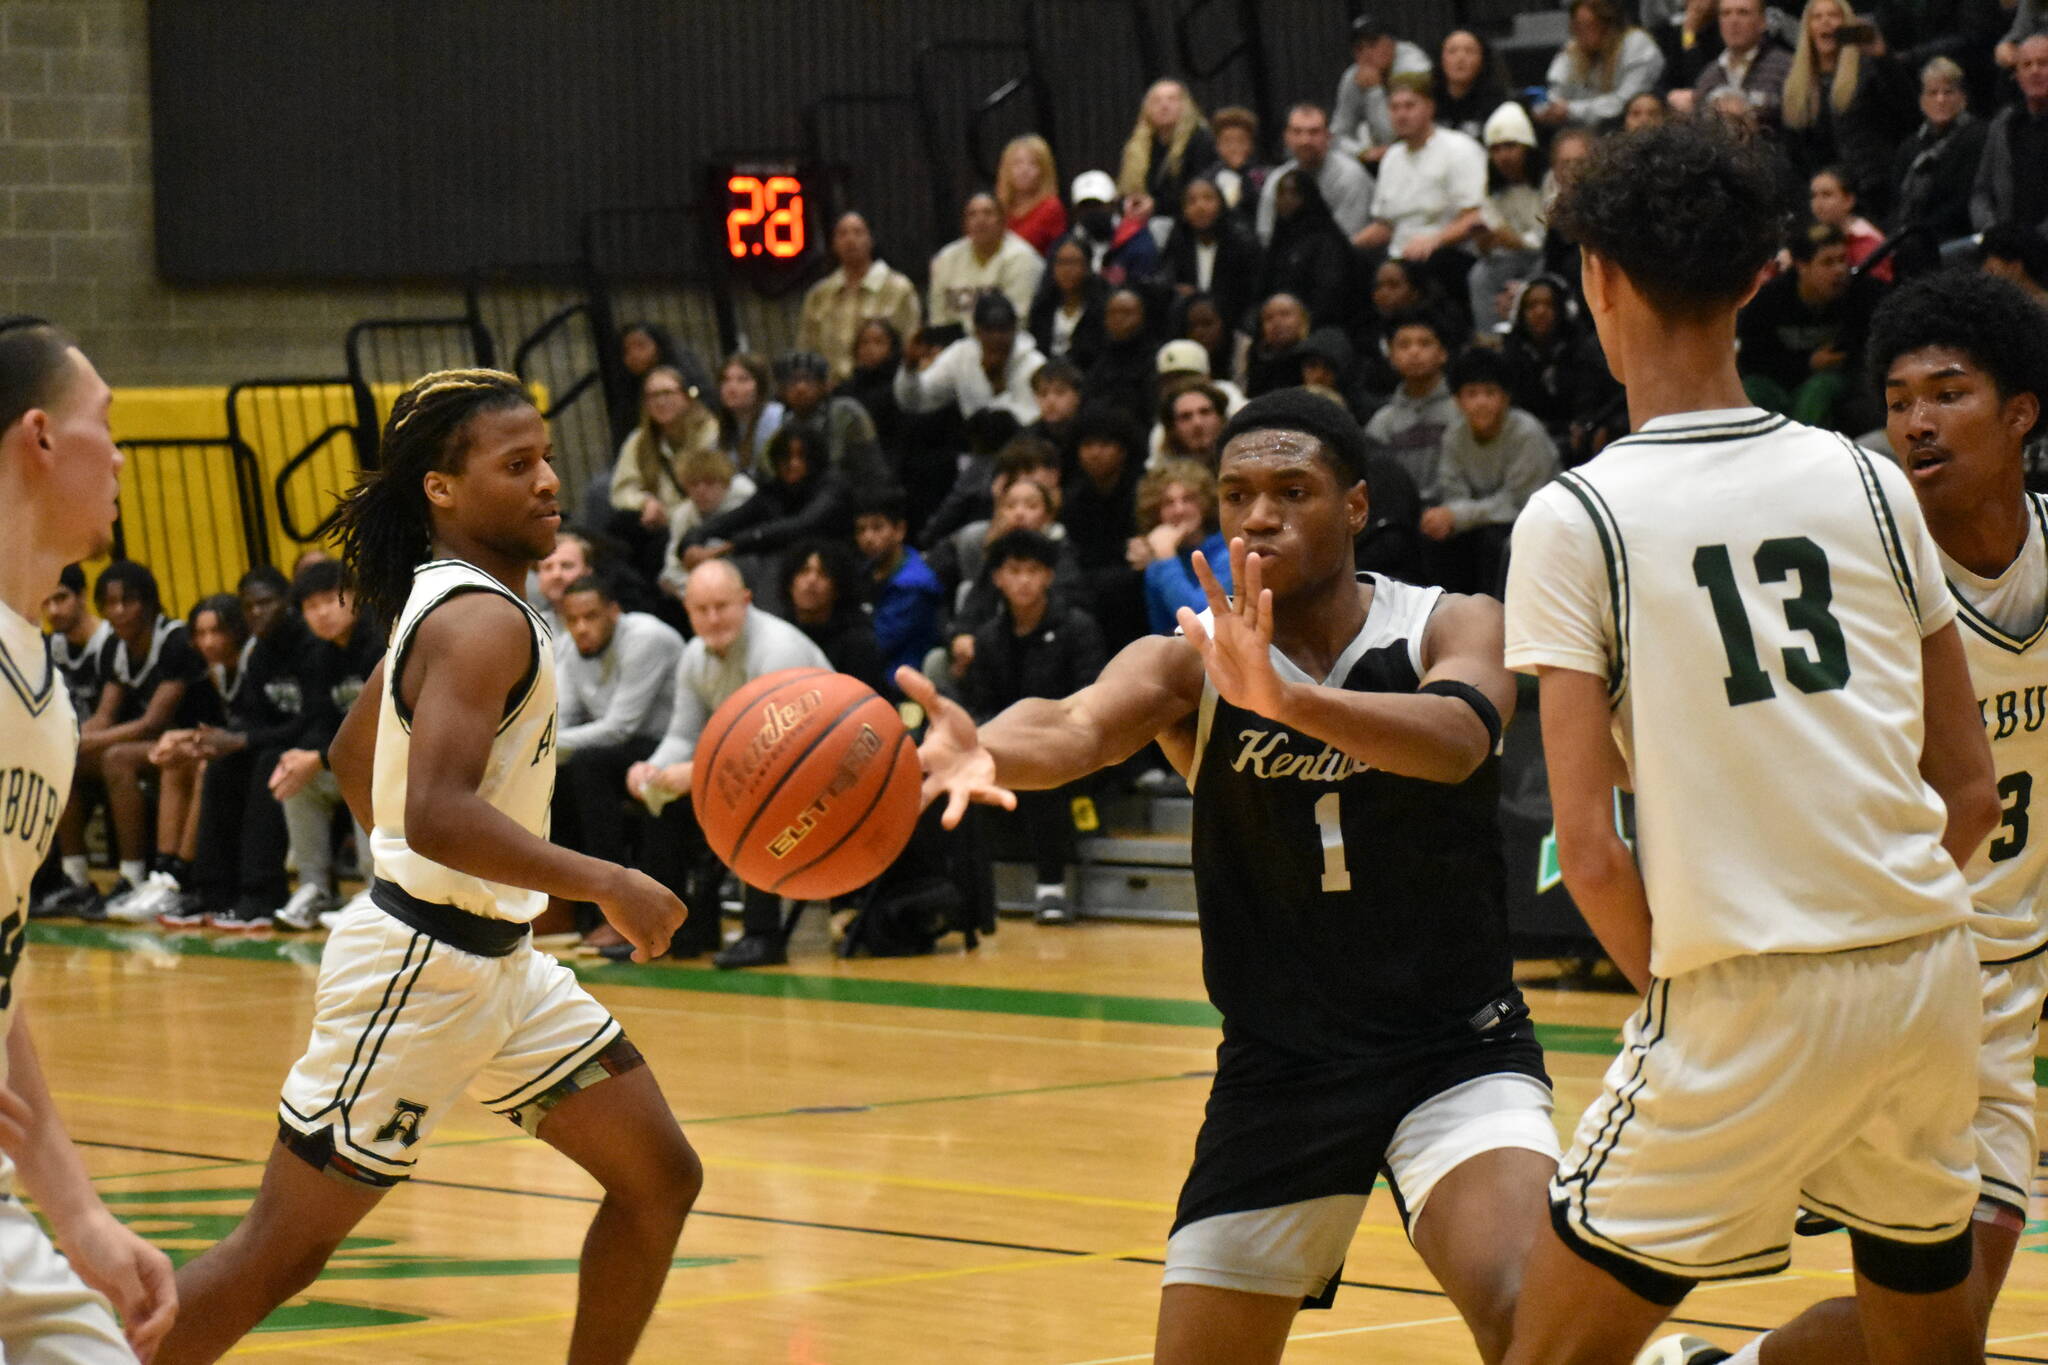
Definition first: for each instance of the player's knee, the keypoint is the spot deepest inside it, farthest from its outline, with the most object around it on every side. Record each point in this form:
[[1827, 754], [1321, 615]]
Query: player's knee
[[682, 1179]]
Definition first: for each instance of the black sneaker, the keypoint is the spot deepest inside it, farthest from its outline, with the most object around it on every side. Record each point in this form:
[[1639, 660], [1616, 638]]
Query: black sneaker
[[93, 909], [752, 950], [1056, 910], [65, 901], [186, 910]]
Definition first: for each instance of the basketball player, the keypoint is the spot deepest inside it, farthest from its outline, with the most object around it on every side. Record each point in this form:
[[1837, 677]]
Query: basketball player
[[432, 990], [1744, 620], [1340, 732], [58, 473]]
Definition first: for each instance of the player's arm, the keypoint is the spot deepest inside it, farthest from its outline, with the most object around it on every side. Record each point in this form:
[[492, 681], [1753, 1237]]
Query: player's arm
[[135, 1276], [354, 749], [467, 658], [154, 720], [1598, 866], [102, 718], [1955, 757]]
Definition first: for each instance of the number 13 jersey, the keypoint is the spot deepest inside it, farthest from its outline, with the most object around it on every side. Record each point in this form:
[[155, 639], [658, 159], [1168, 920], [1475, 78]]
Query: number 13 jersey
[[1347, 912], [1755, 593]]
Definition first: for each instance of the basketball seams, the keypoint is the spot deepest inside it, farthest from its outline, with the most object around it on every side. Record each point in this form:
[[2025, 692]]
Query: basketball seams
[[709, 761], [789, 769], [854, 827]]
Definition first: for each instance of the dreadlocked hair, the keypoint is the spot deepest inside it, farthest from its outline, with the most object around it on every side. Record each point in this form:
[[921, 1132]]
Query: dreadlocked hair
[[384, 526]]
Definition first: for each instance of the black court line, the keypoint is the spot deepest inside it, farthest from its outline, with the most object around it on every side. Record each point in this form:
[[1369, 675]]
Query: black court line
[[1369, 1285]]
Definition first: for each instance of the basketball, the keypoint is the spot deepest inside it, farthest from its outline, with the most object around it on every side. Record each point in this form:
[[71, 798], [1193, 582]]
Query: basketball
[[807, 783]]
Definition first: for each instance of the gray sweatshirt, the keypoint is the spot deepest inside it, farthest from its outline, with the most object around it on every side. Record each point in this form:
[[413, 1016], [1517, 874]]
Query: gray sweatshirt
[[703, 679], [1485, 483], [1412, 429], [622, 693]]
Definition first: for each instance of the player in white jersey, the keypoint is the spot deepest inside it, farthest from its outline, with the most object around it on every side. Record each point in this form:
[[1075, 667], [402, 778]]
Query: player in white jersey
[[59, 475], [1744, 620], [433, 989], [1962, 359]]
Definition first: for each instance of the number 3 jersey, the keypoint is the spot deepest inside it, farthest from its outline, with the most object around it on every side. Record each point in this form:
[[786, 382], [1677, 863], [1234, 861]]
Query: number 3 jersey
[[1754, 594], [2005, 634], [38, 751], [1346, 911]]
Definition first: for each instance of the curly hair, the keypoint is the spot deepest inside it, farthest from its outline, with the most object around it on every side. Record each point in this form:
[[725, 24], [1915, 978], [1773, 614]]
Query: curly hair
[[1192, 475], [1992, 321], [384, 526], [1689, 211]]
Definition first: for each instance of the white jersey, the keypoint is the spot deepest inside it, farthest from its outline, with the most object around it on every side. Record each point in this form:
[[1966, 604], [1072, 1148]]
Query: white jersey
[[2005, 634], [1755, 593], [519, 779], [38, 750]]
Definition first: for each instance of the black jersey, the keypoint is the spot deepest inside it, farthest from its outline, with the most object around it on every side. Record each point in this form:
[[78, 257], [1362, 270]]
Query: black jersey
[[1348, 912], [170, 658], [84, 668]]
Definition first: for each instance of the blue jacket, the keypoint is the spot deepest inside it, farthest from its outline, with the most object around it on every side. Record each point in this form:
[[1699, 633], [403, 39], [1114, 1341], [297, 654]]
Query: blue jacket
[[1170, 584], [907, 614]]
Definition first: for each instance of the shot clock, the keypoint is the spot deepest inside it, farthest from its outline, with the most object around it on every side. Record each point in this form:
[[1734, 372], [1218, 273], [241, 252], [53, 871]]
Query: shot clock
[[766, 220]]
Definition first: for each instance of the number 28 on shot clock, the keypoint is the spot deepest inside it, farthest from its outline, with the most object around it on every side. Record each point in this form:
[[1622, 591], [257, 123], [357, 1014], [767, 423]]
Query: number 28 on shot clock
[[768, 225]]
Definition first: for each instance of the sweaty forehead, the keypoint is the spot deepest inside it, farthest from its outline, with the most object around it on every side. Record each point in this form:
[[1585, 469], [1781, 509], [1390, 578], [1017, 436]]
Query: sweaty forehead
[[1269, 451], [1928, 362]]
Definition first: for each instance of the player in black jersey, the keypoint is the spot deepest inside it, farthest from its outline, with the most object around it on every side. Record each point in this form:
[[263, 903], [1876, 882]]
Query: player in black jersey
[[1340, 733]]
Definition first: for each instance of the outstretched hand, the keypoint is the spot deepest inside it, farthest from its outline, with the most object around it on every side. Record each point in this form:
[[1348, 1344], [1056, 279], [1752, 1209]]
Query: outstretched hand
[[956, 765], [1237, 646]]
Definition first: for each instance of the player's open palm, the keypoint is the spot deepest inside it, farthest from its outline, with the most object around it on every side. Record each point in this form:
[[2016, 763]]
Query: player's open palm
[[956, 765], [1237, 644], [644, 911]]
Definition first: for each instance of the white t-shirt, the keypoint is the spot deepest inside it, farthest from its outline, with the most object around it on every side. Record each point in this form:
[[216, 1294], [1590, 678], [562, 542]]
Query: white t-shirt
[[1422, 191]]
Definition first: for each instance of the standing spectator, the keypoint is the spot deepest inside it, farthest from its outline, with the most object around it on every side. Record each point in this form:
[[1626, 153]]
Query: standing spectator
[[711, 487], [1120, 245], [877, 354], [1833, 203], [1467, 84], [748, 415], [1274, 360], [1346, 186], [1066, 314], [1411, 424], [1802, 337], [860, 289], [1099, 509], [987, 258], [1125, 374], [822, 584], [1236, 171], [905, 593], [2012, 173], [850, 442], [735, 642], [1034, 648], [1358, 121], [1934, 170], [1510, 234], [1432, 187], [803, 497], [1028, 189], [1606, 63], [1210, 252], [1176, 517], [1308, 257], [993, 367], [1495, 457], [78, 639], [1749, 62], [1169, 145], [1845, 103], [645, 488]]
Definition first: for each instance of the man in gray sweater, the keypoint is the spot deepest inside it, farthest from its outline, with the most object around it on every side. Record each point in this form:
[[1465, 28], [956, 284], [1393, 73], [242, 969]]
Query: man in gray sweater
[[1495, 457], [735, 643]]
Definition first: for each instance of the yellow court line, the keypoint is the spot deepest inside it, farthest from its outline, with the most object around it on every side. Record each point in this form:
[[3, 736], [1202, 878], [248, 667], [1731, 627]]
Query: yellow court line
[[1207, 1050], [218, 1110], [693, 1301]]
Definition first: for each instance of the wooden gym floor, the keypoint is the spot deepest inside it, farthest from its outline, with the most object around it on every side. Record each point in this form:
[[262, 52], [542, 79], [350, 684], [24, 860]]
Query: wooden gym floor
[[961, 1158]]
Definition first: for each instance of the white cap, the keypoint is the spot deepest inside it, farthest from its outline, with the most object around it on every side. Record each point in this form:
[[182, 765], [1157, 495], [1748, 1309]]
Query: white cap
[[1095, 185], [1184, 357], [1509, 123]]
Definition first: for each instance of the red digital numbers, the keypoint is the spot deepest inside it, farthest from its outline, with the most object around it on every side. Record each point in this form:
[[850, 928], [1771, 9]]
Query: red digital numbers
[[775, 206]]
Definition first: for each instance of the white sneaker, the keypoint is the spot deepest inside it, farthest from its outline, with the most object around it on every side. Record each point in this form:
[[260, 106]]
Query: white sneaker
[[302, 911], [139, 905], [1681, 1350], [330, 918]]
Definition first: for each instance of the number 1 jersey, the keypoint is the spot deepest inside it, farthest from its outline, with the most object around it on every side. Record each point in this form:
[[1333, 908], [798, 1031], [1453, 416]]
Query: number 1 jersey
[[1754, 593]]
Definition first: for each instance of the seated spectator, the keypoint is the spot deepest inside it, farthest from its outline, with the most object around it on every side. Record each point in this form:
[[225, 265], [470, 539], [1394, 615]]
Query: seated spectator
[[645, 489], [1555, 369], [1935, 169], [734, 643], [1749, 62], [1329, 364], [1028, 190], [1606, 63], [803, 498], [877, 355], [1399, 288], [1236, 172], [903, 590], [2029, 17], [1274, 360], [1099, 509], [1688, 34], [1845, 104], [1210, 252], [1345, 185], [992, 367], [961, 562], [711, 487], [1057, 387], [1392, 542], [1802, 337], [821, 581], [1495, 457], [2020, 255], [1646, 110], [616, 689], [2012, 172], [1510, 233], [1467, 85], [861, 289], [1309, 256], [748, 415], [987, 258], [1196, 318], [1176, 517], [1359, 123], [1169, 145], [1034, 648], [642, 346], [78, 638], [850, 442], [572, 557], [1066, 313], [1184, 359], [1192, 412], [1432, 184], [1833, 203], [993, 436], [1570, 149], [1120, 245], [1125, 374], [1411, 424]]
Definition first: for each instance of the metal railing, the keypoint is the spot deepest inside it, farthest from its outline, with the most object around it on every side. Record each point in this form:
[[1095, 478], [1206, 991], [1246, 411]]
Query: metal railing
[[309, 435], [191, 509]]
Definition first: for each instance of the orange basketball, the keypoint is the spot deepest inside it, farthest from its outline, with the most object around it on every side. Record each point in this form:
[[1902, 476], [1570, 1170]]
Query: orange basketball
[[806, 783]]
